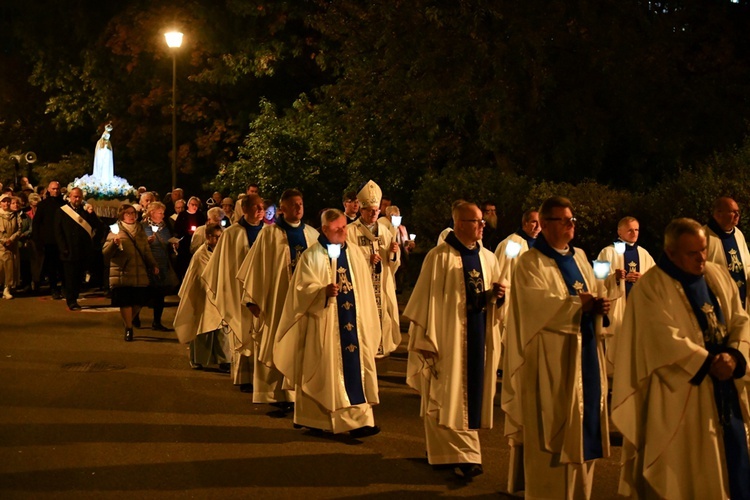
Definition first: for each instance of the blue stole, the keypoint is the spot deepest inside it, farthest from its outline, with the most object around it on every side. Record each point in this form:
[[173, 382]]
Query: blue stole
[[476, 322], [735, 266], [632, 264], [251, 231], [727, 401], [592, 389], [347, 312], [529, 240], [296, 238]]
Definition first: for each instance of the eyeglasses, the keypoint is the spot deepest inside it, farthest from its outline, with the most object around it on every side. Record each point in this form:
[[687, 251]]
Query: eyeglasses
[[128, 213], [475, 221], [567, 221]]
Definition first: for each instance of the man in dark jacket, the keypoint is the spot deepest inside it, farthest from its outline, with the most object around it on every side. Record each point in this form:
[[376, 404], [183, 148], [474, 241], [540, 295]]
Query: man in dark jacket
[[75, 229], [43, 234]]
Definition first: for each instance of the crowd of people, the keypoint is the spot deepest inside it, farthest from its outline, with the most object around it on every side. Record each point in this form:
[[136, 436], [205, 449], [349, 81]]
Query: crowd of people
[[656, 348]]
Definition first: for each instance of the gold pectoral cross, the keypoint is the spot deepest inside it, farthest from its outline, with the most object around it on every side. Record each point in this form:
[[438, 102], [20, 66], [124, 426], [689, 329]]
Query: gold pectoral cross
[[578, 287]]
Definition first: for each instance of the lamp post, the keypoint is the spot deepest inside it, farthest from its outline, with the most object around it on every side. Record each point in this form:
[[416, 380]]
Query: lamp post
[[174, 41]]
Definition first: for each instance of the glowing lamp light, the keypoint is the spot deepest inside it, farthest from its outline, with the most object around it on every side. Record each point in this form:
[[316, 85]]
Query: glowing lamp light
[[115, 229], [601, 269], [619, 247], [223, 222], [174, 39], [193, 228], [513, 249], [412, 236], [334, 250], [396, 220], [154, 229]]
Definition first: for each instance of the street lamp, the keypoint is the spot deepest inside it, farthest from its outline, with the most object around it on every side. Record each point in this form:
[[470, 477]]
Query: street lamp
[[174, 40]]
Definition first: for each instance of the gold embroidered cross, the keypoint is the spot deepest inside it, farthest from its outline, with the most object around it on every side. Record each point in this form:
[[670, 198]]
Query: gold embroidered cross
[[578, 287], [349, 327]]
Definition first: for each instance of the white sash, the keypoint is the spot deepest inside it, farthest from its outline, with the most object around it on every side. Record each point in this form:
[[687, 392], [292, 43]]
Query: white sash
[[78, 219]]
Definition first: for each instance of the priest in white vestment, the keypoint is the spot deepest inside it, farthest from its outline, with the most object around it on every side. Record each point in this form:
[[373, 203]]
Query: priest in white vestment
[[197, 321], [328, 336], [554, 390], [624, 271], [373, 238], [454, 343], [225, 290], [265, 275], [726, 244], [680, 389]]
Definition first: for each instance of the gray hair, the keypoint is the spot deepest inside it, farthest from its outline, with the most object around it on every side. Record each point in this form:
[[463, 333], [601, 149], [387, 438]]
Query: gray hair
[[330, 215], [679, 227]]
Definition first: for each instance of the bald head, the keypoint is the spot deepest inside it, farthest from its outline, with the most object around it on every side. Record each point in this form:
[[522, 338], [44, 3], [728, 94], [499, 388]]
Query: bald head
[[726, 213]]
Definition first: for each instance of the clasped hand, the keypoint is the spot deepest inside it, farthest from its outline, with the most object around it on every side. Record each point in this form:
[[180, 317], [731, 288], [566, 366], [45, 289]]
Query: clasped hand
[[332, 290], [722, 366], [593, 304]]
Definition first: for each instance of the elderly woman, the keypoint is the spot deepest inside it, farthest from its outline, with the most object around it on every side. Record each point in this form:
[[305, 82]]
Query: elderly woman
[[184, 227], [402, 238], [215, 216], [10, 232], [159, 231], [131, 262], [31, 256]]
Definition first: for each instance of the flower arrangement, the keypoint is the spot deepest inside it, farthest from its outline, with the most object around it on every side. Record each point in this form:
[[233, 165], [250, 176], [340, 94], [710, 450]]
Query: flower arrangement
[[93, 187]]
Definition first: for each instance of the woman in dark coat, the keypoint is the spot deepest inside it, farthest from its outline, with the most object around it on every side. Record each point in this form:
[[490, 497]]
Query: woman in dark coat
[[131, 262], [159, 231], [184, 227]]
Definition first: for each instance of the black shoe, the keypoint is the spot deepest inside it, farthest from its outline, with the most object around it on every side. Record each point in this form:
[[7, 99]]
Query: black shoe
[[128, 335], [468, 471], [159, 327], [246, 387], [225, 367], [136, 322], [284, 406], [74, 306], [367, 430], [196, 366], [57, 295]]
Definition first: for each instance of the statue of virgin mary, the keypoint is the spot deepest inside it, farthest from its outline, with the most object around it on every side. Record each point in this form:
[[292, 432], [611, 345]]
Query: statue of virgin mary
[[104, 165]]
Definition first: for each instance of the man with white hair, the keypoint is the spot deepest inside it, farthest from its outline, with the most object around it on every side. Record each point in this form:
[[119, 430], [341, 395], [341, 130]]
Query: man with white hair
[[680, 389], [379, 247], [454, 342], [329, 334]]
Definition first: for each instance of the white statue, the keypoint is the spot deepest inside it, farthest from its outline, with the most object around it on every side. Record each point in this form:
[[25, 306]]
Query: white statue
[[104, 165]]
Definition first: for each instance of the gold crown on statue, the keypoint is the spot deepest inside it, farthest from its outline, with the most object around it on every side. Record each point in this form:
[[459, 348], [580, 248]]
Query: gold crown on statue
[[369, 195]]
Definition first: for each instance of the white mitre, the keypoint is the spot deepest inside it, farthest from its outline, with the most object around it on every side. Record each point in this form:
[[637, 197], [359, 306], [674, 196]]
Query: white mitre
[[369, 195]]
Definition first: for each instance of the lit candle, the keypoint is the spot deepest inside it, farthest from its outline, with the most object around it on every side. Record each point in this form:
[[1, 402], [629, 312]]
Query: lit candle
[[601, 271], [334, 250], [396, 220], [193, 228], [116, 230], [620, 250], [412, 236], [512, 249]]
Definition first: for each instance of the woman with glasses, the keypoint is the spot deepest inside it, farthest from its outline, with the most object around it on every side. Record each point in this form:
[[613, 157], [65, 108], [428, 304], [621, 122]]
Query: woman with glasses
[[131, 261]]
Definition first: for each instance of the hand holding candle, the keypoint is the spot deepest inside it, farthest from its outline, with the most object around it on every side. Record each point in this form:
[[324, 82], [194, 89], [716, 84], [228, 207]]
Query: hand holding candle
[[620, 251], [601, 271], [116, 230], [332, 290]]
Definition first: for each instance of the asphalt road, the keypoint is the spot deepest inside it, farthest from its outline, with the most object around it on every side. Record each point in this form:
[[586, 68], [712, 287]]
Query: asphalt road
[[84, 414]]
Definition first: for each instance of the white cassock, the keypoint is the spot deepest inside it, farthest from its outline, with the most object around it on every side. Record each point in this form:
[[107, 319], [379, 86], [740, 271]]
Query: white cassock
[[672, 440], [308, 344], [437, 312], [542, 390], [716, 254], [617, 311], [384, 284], [265, 275], [225, 293], [196, 315]]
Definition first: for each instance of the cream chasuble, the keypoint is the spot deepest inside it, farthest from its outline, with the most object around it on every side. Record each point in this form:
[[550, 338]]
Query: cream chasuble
[[384, 283], [437, 312], [672, 440], [225, 293], [195, 314], [265, 274], [308, 347], [716, 254], [542, 391]]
